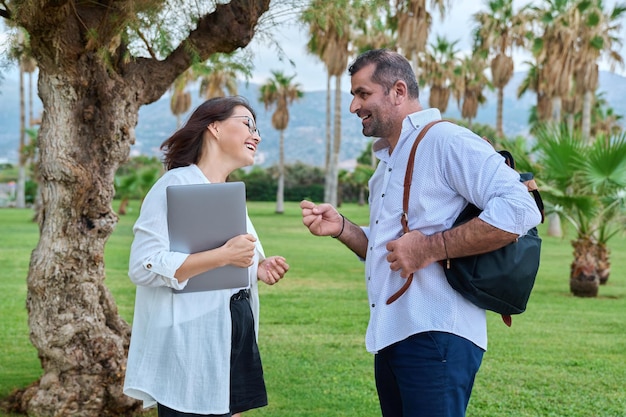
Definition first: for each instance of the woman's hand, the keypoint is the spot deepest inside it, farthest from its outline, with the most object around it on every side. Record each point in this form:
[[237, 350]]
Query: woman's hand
[[239, 251], [272, 269]]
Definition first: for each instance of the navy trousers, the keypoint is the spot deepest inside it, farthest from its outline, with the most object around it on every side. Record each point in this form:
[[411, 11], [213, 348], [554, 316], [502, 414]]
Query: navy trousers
[[429, 374]]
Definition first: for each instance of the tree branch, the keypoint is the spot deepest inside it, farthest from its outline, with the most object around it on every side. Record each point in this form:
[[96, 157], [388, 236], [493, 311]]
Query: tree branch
[[5, 11], [146, 43], [228, 27]]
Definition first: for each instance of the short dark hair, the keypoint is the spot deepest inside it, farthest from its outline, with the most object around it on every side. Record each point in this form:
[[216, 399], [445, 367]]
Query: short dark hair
[[390, 67], [184, 147]]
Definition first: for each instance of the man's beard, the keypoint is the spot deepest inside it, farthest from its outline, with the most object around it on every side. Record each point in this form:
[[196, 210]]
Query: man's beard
[[376, 128]]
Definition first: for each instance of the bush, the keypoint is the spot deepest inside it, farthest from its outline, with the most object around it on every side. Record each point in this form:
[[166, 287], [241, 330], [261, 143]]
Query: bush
[[30, 192]]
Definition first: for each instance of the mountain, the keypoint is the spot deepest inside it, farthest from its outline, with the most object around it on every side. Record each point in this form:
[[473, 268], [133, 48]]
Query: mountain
[[305, 135]]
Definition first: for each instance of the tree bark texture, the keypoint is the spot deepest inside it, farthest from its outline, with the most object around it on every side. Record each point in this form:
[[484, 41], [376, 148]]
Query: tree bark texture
[[91, 90], [584, 278], [603, 257]]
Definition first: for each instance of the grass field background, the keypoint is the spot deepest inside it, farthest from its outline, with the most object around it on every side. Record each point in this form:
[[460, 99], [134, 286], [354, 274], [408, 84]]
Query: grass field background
[[564, 356]]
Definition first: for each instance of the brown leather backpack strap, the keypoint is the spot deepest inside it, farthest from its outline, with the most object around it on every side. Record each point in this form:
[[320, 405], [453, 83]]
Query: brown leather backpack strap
[[404, 220]]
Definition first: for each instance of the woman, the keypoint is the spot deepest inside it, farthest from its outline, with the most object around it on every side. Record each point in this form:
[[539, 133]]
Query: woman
[[195, 353]]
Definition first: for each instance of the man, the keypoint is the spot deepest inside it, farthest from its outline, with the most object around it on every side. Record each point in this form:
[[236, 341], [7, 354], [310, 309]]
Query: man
[[429, 343]]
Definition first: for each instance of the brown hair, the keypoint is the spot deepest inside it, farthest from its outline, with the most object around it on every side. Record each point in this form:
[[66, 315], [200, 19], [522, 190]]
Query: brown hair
[[184, 147]]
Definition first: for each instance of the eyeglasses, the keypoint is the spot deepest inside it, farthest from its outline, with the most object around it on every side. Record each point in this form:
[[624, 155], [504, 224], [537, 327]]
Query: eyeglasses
[[251, 125]]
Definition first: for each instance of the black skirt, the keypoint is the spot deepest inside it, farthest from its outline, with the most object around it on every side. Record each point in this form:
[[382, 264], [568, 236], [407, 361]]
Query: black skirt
[[247, 386]]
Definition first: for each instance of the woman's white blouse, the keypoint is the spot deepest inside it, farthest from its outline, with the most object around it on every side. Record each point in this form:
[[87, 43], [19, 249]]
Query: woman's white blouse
[[179, 352]]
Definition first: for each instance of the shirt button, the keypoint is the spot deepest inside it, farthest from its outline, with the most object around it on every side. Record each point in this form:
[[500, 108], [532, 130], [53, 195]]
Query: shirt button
[[149, 266], [373, 305], [389, 169], [383, 195]]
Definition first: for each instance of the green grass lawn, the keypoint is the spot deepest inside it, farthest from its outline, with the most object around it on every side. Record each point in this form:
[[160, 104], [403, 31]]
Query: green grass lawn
[[564, 356]]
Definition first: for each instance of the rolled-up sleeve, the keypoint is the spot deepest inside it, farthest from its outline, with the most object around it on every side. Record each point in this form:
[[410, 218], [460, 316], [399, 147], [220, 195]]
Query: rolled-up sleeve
[[516, 214], [151, 262], [494, 186]]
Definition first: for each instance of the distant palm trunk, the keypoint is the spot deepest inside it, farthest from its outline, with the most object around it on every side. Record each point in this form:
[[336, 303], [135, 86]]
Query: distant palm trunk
[[31, 116], [556, 109], [332, 179], [280, 192], [554, 225], [329, 140], [586, 122], [499, 129], [21, 176], [554, 221]]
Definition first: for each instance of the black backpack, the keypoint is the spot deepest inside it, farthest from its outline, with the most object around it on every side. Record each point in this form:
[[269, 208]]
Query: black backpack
[[502, 280]]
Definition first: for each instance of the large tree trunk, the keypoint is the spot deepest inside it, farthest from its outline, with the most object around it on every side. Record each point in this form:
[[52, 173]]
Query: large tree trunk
[[91, 95], [74, 323]]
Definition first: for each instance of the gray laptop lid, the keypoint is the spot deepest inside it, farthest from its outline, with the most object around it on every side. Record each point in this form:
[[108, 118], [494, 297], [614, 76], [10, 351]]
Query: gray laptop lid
[[202, 217]]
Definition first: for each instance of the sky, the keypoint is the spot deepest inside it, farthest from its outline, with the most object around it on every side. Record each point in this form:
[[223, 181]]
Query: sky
[[310, 73]]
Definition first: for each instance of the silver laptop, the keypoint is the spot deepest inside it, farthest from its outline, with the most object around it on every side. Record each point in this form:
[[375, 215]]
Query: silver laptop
[[205, 216]]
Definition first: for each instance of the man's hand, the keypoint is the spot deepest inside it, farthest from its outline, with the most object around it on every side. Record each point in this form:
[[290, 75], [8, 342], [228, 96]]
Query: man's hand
[[412, 251], [322, 219]]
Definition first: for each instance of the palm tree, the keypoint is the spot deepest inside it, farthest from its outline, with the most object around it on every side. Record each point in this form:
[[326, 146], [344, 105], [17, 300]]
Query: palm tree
[[20, 51], [554, 52], [373, 31], [331, 27], [599, 34], [180, 102], [540, 114], [438, 67], [135, 184], [218, 75], [134, 179], [604, 120], [555, 49], [498, 31], [584, 184], [316, 46], [360, 177], [533, 81], [472, 72], [279, 91], [413, 23], [607, 179], [329, 23]]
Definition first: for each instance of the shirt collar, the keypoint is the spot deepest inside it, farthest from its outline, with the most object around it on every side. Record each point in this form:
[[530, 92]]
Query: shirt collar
[[411, 123]]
